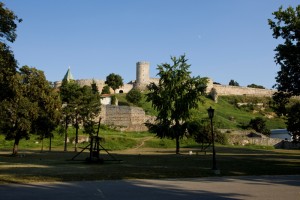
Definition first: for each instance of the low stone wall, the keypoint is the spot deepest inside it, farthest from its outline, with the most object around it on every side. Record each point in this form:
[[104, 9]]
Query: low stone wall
[[125, 118], [248, 137]]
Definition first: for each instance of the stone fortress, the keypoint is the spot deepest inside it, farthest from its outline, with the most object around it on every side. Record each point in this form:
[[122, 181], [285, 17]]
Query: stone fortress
[[128, 118], [143, 79], [141, 82]]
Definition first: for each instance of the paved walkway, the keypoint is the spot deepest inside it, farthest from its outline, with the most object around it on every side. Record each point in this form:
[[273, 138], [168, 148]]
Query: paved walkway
[[260, 187]]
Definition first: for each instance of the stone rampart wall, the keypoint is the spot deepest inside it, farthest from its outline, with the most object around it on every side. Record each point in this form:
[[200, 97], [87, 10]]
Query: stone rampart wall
[[125, 117], [125, 88], [235, 90]]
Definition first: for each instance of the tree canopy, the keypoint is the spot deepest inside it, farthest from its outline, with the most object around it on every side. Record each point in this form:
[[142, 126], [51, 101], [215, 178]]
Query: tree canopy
[[34, 108], [286, 27], [8, 64], [114, 81], [81, 105], [233, 83], [293, 121], [255, 86], [134, 96], [105, 90], [173, 97], [8, 23]]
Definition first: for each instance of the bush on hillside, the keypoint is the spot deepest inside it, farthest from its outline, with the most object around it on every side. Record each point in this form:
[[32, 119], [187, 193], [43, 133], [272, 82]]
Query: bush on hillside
[[134, 96], [259, 125], [105, 90]]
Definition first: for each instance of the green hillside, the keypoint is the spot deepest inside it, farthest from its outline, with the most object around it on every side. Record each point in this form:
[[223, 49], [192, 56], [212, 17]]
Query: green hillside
[[228, 115]]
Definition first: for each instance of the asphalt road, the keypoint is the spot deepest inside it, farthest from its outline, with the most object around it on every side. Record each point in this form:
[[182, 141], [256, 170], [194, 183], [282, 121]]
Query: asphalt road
[[254, 187]]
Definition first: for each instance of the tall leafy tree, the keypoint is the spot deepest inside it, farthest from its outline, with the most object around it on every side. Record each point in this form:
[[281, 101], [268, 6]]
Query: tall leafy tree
[[8, 23], [114, 81], [81, 105], [8, 64], [49, 112], [173, 98], [90, 110], [21, 114], [286, 27], [69, 94]]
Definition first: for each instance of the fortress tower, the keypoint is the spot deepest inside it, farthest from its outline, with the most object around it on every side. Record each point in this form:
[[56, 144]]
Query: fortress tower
[[142, 74]]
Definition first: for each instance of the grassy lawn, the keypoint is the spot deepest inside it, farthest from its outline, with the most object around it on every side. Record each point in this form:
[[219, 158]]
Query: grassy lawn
[[152, 163], [145, 156]]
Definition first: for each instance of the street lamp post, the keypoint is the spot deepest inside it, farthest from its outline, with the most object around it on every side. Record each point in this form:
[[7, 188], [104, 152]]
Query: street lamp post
[[211, 115]]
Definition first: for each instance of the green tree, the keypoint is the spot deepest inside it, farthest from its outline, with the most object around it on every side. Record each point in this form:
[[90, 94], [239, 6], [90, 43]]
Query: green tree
[[173, 97], [8, 23], [81, 105], [8, 64], [134, 96], [94, 86], [286, 27], [105, 90], [280, 100], [114, 81], [259, 125], [90, 109], [22, 114], [255, 86], [233, 83], [293, 121], [201, 132], [69, 94], [49, 113]]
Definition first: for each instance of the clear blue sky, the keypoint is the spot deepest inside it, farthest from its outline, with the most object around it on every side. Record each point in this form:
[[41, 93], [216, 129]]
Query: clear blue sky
[[223, 39]]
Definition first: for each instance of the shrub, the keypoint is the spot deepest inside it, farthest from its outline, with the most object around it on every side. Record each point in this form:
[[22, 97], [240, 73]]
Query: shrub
[[113, 100], [134, 96], [105, 90], [221, 138], [259, 125], [293, 121]]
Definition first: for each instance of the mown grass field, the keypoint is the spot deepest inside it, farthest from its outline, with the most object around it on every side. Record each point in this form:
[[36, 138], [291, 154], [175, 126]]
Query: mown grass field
[[32, 166]]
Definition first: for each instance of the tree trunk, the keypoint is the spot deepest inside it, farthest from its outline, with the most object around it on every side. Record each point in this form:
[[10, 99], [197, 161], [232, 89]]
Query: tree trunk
[[76, 138], [16, 145], [76, 135], [42, 149], [50, 142], [66, 135], [177, 144]]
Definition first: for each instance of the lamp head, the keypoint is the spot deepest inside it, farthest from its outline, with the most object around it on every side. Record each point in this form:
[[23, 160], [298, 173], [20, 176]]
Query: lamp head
[[210, 112]]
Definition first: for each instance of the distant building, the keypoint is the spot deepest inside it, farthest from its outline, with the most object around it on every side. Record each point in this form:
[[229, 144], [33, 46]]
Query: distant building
[[68, 76], [105, 99]]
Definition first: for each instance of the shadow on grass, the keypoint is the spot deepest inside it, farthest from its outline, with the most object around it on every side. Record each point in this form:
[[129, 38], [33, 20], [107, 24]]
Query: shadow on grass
[[33, 166]]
